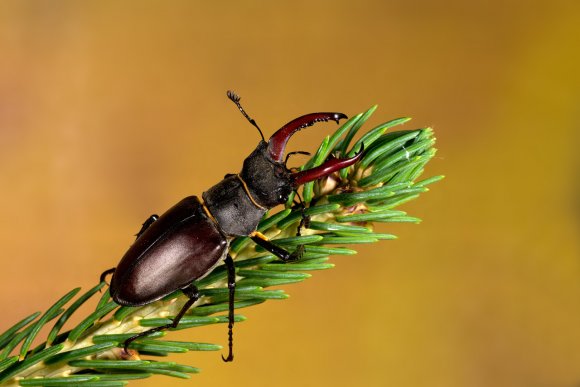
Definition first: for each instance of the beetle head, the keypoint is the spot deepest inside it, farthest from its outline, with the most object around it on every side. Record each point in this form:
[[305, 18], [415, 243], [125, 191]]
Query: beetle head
[[269, 181], [265, 173]]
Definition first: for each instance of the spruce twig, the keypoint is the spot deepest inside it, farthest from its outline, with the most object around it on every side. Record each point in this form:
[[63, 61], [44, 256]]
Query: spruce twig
[[341, 208]]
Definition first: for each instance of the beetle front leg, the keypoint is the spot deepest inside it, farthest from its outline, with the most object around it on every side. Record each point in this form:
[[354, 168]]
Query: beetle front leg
[[261, 240], [304, 218]]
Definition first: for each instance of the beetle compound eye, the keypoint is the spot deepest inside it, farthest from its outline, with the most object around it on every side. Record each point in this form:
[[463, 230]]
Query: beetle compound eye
[[279, 172]]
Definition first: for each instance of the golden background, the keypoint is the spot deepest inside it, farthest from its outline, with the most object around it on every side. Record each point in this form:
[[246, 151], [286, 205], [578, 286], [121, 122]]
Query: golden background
[[113, 110]]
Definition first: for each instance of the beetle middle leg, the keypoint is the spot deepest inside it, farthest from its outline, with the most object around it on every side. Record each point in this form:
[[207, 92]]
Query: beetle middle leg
[[148, 222], [232, 289], [193, 294]]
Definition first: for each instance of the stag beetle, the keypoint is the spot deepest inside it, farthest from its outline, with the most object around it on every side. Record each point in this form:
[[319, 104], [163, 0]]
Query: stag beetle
[[184, 244]]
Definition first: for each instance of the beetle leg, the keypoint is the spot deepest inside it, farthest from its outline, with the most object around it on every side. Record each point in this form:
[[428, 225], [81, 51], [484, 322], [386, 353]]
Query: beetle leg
[[150, 220], [261, 240], [103, 276], [297, 254], [304, 222], [305, 219], [232, 289], [193, 294]]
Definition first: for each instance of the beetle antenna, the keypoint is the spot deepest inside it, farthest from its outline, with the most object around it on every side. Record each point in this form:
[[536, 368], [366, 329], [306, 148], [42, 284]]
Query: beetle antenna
[[294, 153], [236, 99]]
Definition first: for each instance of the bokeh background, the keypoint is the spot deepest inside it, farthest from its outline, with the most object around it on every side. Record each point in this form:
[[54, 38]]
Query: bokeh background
[[110, 111]]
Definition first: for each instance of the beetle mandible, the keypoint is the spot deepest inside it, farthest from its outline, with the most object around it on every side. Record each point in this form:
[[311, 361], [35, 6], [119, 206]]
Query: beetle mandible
[[184, 244]]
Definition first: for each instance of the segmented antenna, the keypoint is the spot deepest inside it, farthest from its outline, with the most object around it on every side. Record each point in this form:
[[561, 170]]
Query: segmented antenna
[[294, 153], [236, 99]]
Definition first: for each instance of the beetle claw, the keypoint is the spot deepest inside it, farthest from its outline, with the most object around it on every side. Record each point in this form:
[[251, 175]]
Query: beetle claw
[[297, 254], [128, 354]]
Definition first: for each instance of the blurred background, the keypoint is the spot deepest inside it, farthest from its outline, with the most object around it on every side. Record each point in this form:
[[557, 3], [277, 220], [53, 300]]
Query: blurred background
[[111, 111]]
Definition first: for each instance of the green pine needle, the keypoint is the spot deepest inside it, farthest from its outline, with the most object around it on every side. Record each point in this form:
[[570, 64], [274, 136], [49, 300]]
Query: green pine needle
[[341, 208]]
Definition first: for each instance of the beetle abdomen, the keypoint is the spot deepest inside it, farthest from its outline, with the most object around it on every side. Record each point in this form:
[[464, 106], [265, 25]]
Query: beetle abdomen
[[180, 247]]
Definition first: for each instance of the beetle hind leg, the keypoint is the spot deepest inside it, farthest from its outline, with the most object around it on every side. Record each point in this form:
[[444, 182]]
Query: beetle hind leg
[[193, 294], [104, 274]]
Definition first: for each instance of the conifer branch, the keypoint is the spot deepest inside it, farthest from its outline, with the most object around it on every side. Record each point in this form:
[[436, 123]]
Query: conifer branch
[[341, 208]]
